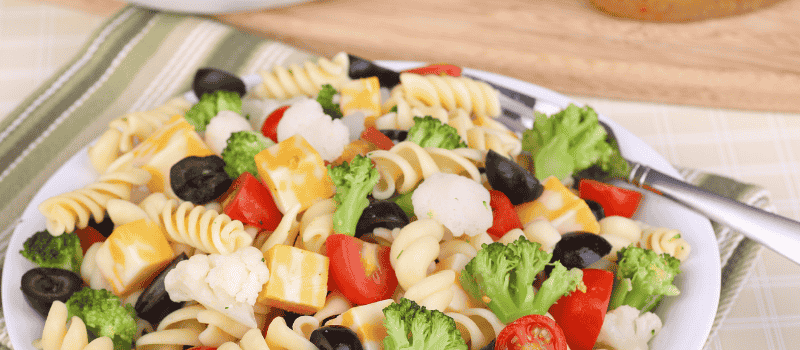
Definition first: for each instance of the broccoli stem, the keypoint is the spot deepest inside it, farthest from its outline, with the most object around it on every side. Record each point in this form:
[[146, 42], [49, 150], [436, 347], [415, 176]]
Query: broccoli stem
[[345, 218]]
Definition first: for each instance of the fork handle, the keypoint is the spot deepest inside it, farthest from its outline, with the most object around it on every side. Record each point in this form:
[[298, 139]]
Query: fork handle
[[773, 231]]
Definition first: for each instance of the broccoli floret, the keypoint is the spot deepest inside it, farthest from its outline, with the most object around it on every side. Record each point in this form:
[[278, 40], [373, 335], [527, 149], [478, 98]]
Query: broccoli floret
[[325, 98], [104, 315], [240, 152], [410, 326], [46, 250], [570, 141], [502, 276], [430, 132], [354, 182], [643, 278], [210, 104]]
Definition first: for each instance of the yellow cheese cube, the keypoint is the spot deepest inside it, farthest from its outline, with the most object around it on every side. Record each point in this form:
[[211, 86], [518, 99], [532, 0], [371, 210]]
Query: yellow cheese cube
[[362, 95], [566, 211], [367, 322], [294, 173], [133, 254], [168, 145], [298, 280]]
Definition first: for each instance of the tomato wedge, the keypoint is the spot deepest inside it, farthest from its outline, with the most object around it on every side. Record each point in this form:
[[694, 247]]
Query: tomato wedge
[[616, 201], [377, 138], [270, 126], [88, 236], [437, 69], [531, 332], [360, 270], [581, 315], [251, 203], [504, 216]]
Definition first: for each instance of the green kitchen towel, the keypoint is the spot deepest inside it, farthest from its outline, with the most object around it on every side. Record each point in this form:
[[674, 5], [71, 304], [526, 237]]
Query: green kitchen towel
[[140, 58]]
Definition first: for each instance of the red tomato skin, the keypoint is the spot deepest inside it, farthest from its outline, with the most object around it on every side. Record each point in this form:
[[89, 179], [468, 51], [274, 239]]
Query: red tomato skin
[[581, 315], [203, 348], [437, 69], [504, 216], [270, 126], [616, 201], [377, 138], [522, 326], [348, 273], [88, 236], [252, 204]]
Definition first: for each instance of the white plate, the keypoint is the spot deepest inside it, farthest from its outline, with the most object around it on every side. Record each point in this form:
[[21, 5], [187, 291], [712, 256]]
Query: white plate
[[687, 318], [210, 7]]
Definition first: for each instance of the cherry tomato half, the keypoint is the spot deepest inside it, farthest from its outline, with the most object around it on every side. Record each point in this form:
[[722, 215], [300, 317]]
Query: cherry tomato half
[[581, 315], [531, 332], [252, 203], [361, 270], [616, 201], [270, 126], [504, 216], [437, 69]]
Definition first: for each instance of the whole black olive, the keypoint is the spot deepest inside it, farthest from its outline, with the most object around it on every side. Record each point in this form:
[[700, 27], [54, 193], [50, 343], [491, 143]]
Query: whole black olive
[[504, 175], [395, 135], [154, 303], [208, 80], [579, 249], [335, 338], [199, 179], [361, 68], [381, 213], [44, 285], [596, 208]]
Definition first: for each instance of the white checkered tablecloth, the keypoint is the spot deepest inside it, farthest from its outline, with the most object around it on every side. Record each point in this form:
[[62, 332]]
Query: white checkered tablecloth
[[755, 147]]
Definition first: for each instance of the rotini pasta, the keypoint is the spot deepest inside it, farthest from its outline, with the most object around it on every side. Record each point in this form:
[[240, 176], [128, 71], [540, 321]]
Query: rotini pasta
[[56, 335], [663, 240], [406, 164], [282, 83], [316, 225], [125, 130], [280, 336], [478, 326], [414, 250], [477, 97], [435, 291], [399, 113], [335, 304], [68, 211], [202, 229], [90, 273]]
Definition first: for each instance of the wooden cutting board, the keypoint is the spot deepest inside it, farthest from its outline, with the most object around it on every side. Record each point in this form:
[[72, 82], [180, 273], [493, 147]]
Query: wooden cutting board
[[749, 61]]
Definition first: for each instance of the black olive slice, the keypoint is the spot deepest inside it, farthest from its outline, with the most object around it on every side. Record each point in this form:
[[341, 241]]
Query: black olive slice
[[105, 226], [361, 68], [596, 208], [154, 303], [381, 213], [335, 338], [208, 80], [44, 285], [199, 179], [518, 184], [489, 346], [395, 135], [579, 249]]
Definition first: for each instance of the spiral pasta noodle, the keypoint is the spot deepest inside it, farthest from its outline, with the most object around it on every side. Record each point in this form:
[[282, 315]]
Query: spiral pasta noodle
[[56, 335], [476, 97], [414, 250], [406, 164], [399, 113], [664, 240], [125, 130], [282, 83], [203, 229], [68, 211], [434, 292], [478, 326], [316, 225], [280, 336]]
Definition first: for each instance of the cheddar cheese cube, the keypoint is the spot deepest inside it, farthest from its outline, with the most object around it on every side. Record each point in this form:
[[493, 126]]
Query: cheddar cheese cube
[[168, 145], [367, 322], [565, 211], [294, 173], [361, 95], [133, 254], [298, 280]]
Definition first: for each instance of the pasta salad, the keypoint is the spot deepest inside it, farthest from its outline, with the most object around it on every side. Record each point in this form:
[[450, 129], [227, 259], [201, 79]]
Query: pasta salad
[[320, 211]]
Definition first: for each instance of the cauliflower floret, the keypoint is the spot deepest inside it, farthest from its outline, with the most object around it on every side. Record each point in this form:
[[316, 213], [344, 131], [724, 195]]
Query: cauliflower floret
[[458, 203], [328, 136], [624, 329], [221, 127], [227, 283]]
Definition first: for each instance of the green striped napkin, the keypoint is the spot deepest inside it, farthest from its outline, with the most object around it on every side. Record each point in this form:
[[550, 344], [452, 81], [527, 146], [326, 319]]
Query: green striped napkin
[[140, 58]]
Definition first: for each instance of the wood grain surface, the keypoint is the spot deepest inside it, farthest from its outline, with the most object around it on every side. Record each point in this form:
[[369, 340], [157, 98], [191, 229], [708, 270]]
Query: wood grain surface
[[749, 61]]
